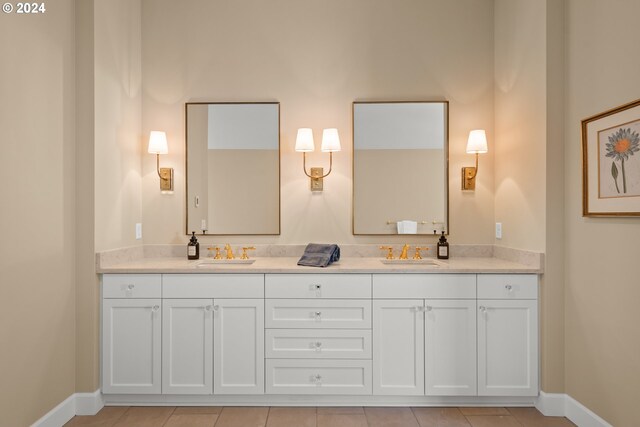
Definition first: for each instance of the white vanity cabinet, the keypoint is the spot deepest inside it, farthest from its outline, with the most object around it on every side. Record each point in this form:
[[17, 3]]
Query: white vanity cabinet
[[318, 333], [424, 334], [213, 335], [131, 334], [507, 335]]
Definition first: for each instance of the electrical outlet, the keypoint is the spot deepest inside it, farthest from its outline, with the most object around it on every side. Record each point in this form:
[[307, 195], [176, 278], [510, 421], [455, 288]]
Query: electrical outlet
[[138, 230], [498, 230]]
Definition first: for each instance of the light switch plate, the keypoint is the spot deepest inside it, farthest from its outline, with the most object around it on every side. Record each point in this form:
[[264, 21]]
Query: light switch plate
[[138, 230], [498, 230]]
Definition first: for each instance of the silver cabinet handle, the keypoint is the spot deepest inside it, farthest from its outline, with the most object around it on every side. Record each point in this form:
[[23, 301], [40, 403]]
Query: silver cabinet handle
[[418, 308], [317, 378], [483, 309], [130, 286], [155, 308], [318, 344], [428, 308], [209, 308], [216, 307], [317, 287], [318, 313], [508, 288]]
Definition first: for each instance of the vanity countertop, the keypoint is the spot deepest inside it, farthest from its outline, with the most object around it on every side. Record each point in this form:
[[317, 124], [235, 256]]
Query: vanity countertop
[[345, 265]]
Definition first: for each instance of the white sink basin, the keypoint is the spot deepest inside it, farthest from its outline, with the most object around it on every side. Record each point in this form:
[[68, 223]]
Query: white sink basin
[[424, 261], [214, 262]]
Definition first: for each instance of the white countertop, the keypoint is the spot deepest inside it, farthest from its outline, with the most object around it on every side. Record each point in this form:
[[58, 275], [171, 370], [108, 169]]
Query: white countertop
[[345, 265]]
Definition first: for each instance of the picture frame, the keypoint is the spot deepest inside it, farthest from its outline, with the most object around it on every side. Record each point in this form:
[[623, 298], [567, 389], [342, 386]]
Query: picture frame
[[611, 163]]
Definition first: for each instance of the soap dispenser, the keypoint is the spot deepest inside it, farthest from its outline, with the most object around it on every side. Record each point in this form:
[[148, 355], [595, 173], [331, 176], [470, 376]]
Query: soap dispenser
[[443, 247], [193, 248]]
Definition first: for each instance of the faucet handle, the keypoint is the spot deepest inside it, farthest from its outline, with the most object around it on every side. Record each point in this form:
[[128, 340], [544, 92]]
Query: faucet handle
[[418, 255], [390, 251], [218, 255], [244, 251]]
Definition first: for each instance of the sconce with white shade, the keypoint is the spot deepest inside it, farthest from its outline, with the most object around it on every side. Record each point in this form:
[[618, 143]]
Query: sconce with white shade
[[330, 144], [476, 144], [158, 145]]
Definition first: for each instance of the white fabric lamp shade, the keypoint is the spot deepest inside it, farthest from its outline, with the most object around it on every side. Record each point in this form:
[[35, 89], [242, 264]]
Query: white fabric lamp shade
[[330, 140], [304, 140], [477, 142], [158, 142]]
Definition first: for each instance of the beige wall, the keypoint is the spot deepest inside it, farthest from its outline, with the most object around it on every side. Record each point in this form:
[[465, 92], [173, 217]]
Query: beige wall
[[118, 151], [528, 196], [316, 58], [37, 294], [109, 156], [602, 292]]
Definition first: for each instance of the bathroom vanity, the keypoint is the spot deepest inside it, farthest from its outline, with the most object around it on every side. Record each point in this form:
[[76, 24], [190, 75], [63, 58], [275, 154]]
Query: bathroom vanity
[[358, 332]]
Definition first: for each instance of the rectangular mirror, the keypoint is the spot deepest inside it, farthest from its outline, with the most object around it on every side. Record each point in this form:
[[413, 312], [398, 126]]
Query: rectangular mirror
[[400, 166], [233, 168]]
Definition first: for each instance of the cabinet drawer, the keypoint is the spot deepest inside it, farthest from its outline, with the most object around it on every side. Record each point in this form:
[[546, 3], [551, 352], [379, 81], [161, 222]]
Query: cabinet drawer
[[446, 286], [213, 285], [131, 286], [318, 344], [507, 286], [318, 314], [318, 286], [287, 376]]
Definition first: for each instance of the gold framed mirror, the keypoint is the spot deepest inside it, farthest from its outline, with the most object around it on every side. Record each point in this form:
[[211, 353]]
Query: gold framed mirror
[[233, 168], [400, 167]]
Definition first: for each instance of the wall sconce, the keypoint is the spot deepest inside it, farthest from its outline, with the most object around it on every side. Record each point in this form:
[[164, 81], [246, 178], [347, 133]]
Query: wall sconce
[[476, 144], [304, 144], [158, 145]]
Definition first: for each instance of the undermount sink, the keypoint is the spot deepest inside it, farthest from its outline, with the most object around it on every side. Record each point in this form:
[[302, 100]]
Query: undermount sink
[[214, 262], [423, 261]]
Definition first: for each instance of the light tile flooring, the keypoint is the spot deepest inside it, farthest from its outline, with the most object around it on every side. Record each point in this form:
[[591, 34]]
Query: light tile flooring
[[211, 416]]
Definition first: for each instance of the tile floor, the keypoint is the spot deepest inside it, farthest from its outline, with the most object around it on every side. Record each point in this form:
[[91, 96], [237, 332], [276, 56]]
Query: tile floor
[[210, 416]]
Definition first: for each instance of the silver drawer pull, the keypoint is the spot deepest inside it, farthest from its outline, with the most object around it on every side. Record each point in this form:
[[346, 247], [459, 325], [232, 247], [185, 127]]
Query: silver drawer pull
[[209, 308], [317, 378], [155, 308], [318, 313], [317, 287], [483, 309], [428, 308], [130, 287], [317, 345], [216, 307], [508, 288]]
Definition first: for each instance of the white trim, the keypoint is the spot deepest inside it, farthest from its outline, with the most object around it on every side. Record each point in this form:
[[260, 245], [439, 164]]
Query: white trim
[[89, 403], [551, 404], [76, 404], [59, 415], [563, 405], [581, 415], [312, 400]]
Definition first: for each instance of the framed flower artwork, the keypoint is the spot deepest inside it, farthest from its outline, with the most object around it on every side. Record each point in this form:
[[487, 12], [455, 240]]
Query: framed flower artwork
[[611, 162]]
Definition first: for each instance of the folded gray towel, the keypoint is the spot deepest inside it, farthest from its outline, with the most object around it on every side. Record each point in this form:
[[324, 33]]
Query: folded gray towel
[[319, 255]]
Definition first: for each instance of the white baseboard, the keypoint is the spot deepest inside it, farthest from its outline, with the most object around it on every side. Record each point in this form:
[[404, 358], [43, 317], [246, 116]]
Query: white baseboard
[[76, 404], [89, 403], [563, 405]]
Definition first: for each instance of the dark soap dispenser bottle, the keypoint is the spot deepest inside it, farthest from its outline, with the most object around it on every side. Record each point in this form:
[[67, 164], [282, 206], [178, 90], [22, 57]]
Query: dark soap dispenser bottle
[[193, 248], [443, 247]]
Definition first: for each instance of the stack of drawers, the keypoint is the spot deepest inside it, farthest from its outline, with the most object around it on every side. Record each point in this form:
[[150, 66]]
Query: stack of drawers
[[318, 334]]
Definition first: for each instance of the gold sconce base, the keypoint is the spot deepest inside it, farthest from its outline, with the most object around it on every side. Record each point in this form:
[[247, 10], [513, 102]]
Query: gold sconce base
[[317, 179], [166, 179], [469, 178]]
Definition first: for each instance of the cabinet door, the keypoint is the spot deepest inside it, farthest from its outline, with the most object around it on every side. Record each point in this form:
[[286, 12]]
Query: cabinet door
[[131, 346], [238, 346], [507, 347], [398, 347], [187, 346], [450, 347]]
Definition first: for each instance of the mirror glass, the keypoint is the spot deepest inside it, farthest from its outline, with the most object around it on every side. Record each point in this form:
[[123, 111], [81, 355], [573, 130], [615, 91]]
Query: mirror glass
[[400, 166], [233, 168]]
